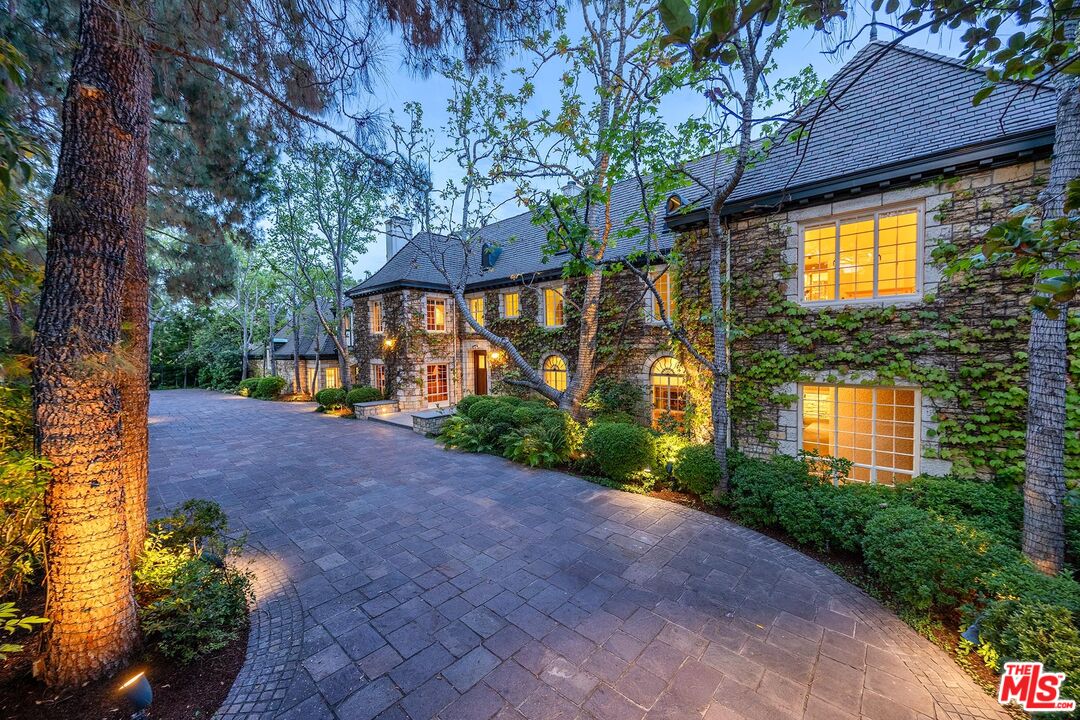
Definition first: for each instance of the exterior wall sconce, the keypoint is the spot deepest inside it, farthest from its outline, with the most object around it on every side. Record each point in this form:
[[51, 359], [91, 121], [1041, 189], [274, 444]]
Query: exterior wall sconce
[[496, 355], [389, 343]]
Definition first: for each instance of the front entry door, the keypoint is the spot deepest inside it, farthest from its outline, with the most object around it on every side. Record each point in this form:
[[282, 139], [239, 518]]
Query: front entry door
[[480, 372]]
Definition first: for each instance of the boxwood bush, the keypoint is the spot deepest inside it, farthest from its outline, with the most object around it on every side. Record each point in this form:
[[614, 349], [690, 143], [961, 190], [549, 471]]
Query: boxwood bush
[[697, 469], [247, 387], [618, 450], [331, 398], [362, 394], [479, 410], [269, 387]]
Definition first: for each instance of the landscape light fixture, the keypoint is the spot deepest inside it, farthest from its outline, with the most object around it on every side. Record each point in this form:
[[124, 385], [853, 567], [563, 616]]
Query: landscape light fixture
[[137, 691]]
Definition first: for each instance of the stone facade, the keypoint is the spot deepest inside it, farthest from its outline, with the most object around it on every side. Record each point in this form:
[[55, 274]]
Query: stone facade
[[960, 340]]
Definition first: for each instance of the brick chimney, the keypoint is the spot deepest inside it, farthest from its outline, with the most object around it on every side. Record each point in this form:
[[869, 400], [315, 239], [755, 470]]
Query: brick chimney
[[398, 232]]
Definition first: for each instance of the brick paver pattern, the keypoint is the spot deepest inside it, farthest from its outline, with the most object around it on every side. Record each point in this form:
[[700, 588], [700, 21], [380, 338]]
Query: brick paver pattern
[[400, 580]]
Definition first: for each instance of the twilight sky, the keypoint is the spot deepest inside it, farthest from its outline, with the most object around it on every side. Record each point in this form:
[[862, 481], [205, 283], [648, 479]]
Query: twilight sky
[[397, 85]]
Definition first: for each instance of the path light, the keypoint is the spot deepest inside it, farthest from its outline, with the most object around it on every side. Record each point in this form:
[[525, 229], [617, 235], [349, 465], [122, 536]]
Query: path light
[[972, 633], [137, 691]]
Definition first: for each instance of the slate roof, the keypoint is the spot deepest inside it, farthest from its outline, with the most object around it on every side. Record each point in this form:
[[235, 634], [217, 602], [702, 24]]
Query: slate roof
[[888, 108], [308, 322]]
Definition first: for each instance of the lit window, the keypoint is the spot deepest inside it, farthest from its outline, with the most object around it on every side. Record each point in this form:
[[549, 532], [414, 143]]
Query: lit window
[[667, 383], [869, 257], [376, 317], [437, 387], [436, 315], [311, 380], [662, 283], [333, 378], [553, 307], [511, 305], [378, 377], [476, 309], [874, 427], [555, 372]]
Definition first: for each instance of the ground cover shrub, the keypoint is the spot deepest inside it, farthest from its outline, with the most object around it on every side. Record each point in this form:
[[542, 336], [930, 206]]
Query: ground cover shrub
[[247, 387], [997, 510], [269, 387], [618, 450], [362, 394], [696, 469], [331, 398], [191, 601], [924, 560]]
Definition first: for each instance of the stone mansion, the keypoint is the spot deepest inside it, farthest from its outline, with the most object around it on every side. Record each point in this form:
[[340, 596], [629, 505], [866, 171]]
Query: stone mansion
[[847, 336]]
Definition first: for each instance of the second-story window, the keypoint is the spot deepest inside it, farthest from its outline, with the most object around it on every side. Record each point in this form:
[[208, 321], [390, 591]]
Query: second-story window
[[511, 305], [436, 315], [872, 256], [375, 313], [348, 326], [553, 307], [662, 283], [476, 309]]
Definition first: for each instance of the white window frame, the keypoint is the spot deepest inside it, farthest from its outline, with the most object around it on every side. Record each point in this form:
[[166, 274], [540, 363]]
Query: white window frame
[[651, 315], [372, 303], [446, 314], [917, 433], [875, 212], [502, 304], [542, 290]]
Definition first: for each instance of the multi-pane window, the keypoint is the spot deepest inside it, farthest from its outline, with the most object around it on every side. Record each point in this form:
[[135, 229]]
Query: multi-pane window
[[511, 305], [476, 309], [867, 257], [333, 377], [662, 283], [437, 385], [436, 315], [378, 377], [667, 383], [555, 372], [375, 313], [874, 427], [553, 307]]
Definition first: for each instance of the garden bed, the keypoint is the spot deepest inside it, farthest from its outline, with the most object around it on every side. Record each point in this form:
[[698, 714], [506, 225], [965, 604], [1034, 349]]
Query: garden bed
[[181, 692]]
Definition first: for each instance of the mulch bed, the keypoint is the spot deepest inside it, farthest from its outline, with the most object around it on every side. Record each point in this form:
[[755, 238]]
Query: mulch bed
[[181, 692]]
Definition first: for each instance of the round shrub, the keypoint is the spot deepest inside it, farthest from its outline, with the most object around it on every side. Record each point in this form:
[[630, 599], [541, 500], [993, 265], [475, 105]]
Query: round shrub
[[799, 516], [269, 387], [480, 409], [247, 387], [755, 483], [527, 415], [924, 560], [331, 398], [502, 414], [696, 469], [362, 394], [618, 450], [467, 402]]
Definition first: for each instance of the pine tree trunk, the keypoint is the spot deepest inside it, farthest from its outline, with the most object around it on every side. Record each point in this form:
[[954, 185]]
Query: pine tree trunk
[[135, 327], [1044, 476], [77, 402]]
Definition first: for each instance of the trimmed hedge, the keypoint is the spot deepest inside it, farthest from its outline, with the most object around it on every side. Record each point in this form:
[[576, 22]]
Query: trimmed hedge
[[697, 469], [331, 398], [362, 394], [269, 387], [467, 402], [618, 450]]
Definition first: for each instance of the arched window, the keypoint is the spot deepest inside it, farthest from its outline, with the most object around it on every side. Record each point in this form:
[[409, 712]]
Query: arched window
[[555, 372], [668, 385]]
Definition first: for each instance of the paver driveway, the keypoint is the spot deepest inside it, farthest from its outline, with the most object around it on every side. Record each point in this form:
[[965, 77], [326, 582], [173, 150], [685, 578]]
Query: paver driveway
[[397, 580]]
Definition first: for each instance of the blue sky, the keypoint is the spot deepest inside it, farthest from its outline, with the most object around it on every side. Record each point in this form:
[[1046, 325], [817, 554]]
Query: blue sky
[[398, 85]]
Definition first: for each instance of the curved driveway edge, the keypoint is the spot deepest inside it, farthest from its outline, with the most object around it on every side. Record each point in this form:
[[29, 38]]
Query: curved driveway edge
[[399, 580]]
